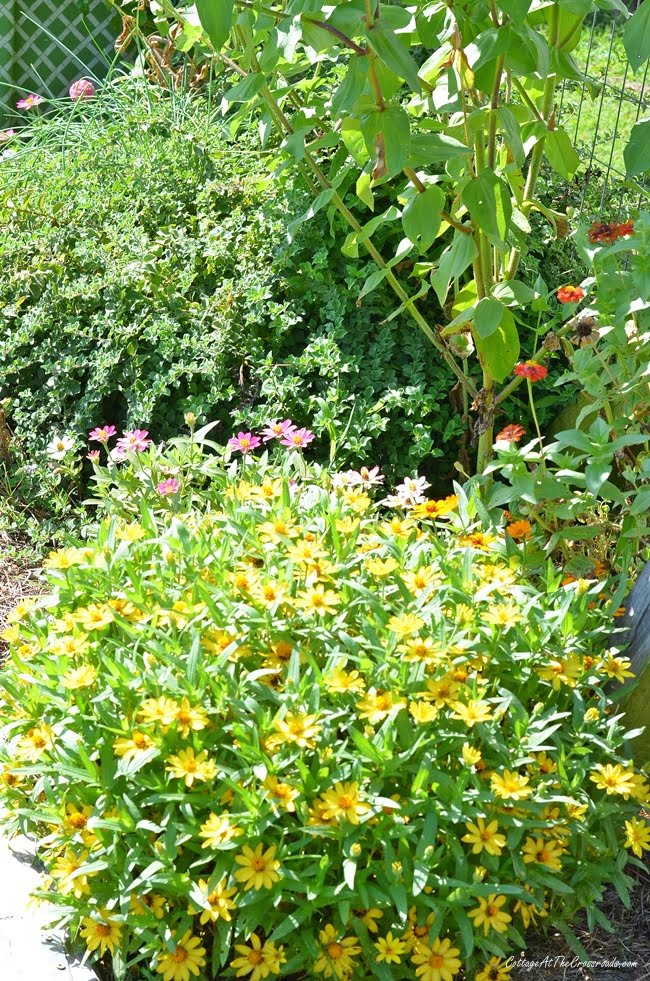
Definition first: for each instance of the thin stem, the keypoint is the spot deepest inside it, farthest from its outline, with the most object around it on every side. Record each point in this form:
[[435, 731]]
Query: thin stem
[[531, 400], [494, 105]]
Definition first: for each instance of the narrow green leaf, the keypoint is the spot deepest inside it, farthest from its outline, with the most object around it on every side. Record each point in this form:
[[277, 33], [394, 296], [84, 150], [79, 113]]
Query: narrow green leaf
[[247, 89]]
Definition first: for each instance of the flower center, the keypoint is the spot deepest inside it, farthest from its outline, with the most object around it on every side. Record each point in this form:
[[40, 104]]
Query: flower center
[[345, 801], [259, 864], [491, 910], [335, 951], [255, 957], [103, 930], [179, 955], [436, 961], [78, 820]]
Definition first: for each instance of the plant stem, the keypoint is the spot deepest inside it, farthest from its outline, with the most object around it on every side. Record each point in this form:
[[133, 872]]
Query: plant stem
[[531, 400], [494, 105]]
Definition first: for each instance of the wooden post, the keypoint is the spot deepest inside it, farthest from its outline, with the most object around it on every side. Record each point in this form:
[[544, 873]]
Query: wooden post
[[635, 638]]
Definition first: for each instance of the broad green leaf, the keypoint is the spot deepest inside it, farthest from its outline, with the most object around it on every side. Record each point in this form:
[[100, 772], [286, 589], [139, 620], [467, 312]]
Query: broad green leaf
[[429, 148], [637, 151], [216, 18], [351, 86], [636, 36], [515, 9], [487, 199], [364, 191], [453, 263], [487, 316], [560, 153], [421, 217], [394, 53], [353, 138], [499, 353], [388, 139], [247, 89], [513, 291]]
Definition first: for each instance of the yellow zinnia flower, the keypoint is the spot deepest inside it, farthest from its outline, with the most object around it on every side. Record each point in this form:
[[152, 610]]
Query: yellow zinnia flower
[[257, 960], [439, 962], [484, 836], [489, 914], [496, 969], [390, 949], [342, 802], [510, 785], [614, 779], [102, 932], [258, 868], [184, 765], [295, 728], [475, 711], [637, 836], [544, 852], [187, 958], [217, 902], [337, 954], [218, 831], [130, 747]]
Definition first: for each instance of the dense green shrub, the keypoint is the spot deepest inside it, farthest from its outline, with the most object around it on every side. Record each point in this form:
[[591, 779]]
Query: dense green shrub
[[262, 725], [145, 271]]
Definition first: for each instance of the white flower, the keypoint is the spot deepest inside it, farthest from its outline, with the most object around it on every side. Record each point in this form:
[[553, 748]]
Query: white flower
[[409, 493], [59, 447]]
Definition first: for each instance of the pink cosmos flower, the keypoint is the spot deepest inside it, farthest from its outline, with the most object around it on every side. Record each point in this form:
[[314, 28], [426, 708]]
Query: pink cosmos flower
[[102, 434], [93, 456], [297, 438], [244, 443], [30, 101], [275, 430], [167, 487], [7, 134], [133, 441], [82, 89]]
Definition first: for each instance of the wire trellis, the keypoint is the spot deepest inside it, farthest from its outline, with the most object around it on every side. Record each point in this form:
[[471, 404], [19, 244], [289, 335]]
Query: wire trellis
[[599, 112]]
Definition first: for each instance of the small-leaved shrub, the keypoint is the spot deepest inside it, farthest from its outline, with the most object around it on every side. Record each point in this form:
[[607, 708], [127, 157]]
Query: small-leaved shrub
[[263, 726]]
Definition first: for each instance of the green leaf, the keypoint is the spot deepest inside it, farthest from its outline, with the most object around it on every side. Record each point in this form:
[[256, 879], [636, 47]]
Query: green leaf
[[393, 51], [512, 133], [247, 89], [515, 9], [636, 36], [499, 353], [364, 192], [513, 291], [487, 316], [487, 199], [216, 19], [353, 137], [453, 263], [429, 148], [637, 151], [351, 87], [421, 217], [388, 139], [561, 154]]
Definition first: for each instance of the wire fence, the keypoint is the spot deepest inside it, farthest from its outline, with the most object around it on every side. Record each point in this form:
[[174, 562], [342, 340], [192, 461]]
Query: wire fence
[[599, 113]]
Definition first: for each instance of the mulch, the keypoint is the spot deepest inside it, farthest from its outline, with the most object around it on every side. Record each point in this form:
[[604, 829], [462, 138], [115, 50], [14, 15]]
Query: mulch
[[18, 579]]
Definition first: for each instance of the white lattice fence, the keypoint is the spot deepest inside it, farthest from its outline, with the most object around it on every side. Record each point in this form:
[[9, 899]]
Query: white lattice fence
[[47, 44]]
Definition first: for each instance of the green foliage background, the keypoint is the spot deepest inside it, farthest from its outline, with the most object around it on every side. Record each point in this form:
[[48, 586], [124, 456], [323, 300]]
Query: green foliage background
[[146, 271]]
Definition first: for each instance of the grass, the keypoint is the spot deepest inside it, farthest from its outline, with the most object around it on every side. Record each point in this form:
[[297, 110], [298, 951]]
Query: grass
[[600, 114]]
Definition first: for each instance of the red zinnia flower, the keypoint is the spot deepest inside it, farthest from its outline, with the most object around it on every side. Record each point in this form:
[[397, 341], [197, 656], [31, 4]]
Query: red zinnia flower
[[609, 232], [570, 294], [531, 370], [512, 433]]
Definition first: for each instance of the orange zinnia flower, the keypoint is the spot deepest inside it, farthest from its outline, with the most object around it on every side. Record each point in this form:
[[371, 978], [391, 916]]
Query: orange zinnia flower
[[570, 294], [531, 370], [513, 432], [520, 530]]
